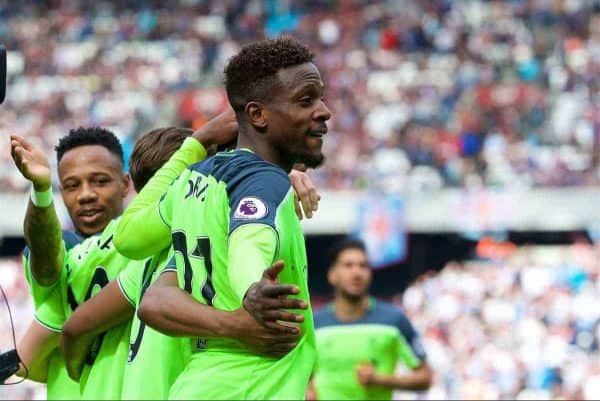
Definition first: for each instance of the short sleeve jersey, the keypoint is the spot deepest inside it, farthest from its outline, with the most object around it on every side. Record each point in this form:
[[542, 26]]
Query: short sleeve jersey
[[154, 360], [48, 312], [90, 266], [204, 207], [382, 337], [49, 296]]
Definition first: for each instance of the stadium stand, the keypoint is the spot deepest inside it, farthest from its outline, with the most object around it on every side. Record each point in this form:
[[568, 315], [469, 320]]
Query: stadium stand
[[427, 97]]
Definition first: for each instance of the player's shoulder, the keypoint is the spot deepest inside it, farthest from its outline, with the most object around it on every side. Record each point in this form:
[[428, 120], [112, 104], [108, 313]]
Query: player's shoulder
[[97, 244], [324, 317], [71, 238], [389, 313], [239, 166]]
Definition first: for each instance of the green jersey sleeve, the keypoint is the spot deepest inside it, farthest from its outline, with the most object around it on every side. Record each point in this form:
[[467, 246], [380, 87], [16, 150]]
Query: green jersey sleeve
[[252, 248], [406, 354], [39, 292], [50, 313], [130, 283], [143, 215], [48, 300], [254, 239]]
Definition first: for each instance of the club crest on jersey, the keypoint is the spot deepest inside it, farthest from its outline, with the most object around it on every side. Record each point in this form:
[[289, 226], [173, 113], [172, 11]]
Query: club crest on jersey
[[250, 208]]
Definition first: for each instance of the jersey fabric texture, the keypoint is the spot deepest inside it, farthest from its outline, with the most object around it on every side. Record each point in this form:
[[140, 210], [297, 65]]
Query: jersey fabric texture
[[154, 360], [382, 337], [47, 302], [231, 216], [89, 266]]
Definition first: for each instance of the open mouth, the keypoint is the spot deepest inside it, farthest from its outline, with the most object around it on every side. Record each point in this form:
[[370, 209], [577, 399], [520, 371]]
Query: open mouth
[[318, 133], [90, 215]]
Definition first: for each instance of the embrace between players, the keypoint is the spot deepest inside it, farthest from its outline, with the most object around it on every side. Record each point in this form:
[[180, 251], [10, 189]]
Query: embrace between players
[[199, 289]]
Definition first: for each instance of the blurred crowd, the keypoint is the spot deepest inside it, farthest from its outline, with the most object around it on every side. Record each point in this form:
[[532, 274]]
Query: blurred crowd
[[523, 326], [16, 289], [425, 94]]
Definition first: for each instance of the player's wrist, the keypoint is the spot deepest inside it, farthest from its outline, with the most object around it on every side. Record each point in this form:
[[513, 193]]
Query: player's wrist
[[42, 185], [226, 326], [381, 380], [205, 138], [41, 196]]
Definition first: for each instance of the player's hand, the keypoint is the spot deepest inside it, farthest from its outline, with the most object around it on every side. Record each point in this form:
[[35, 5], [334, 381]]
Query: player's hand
[[220, 130], [266, 300], [31, 162], [305, 194], [366, 374], [270, 342]]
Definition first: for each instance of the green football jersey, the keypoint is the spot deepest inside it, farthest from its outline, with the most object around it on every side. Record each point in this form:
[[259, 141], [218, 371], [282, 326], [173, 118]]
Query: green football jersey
[[90, 266], [231, 216], [382, 338], [48, 312], [149, 348]]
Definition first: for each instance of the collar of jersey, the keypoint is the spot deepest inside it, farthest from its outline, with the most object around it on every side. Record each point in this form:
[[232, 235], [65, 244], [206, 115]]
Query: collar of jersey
[[370, 307]]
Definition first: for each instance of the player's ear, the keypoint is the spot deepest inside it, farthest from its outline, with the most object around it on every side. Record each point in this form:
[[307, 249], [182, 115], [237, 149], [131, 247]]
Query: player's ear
[[255, 112], [331, 276], [125, 181]]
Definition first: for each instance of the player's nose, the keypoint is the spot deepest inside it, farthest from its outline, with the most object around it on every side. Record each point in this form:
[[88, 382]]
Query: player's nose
[[322, 113]]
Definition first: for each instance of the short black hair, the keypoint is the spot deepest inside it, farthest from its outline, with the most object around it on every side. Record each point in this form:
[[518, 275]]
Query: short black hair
[[252, 73], [342, 245], [89, 136]]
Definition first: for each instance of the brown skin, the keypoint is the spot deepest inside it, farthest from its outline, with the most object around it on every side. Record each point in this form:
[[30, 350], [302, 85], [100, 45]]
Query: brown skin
[[93, 186], [34, 348], [351, 277], [41, 226], [285, 129], [172, 311]]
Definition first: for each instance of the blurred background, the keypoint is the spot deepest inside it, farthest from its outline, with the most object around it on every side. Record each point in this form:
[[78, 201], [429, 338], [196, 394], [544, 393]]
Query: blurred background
[[464, 149]]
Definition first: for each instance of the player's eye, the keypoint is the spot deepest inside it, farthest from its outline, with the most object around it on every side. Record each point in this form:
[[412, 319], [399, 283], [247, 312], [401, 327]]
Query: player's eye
[[101, 181], [306, 101]]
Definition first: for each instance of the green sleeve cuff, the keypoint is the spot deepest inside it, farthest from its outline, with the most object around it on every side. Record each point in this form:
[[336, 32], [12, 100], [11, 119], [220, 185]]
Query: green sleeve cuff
[[192, 151], [129, 281]]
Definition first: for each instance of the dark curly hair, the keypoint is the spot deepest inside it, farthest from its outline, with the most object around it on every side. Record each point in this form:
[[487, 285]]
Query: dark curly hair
[[89, 136], [342, 245], [252, 73]]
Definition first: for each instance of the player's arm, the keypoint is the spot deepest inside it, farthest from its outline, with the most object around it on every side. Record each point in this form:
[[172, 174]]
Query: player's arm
[[254, 243], [105, 310], [143, 212], [251, 247], [172, 311], [34, 349], [143, 215], [419, 379], [412, 354], [306, 196], [42, 335], [41, 227]]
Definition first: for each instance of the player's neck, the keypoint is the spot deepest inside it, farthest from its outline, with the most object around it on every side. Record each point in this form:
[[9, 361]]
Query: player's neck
[[263, 149], [347, 309]]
